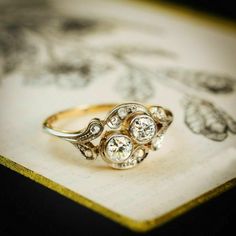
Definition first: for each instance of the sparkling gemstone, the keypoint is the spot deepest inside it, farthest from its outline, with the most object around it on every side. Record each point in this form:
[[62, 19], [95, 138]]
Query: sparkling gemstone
[[88, 153], [132, 108], [143, 128], [139, 153], [156, 143], [122, 112], [115, 121], [119, 148], [158, 112], [95, 129]]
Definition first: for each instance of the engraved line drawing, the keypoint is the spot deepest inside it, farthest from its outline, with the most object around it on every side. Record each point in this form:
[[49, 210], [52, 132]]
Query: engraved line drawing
[[203, 117], [32, 44]]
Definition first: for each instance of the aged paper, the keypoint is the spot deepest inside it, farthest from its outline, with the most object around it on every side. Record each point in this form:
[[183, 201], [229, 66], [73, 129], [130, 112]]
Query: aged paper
[[86, 52]]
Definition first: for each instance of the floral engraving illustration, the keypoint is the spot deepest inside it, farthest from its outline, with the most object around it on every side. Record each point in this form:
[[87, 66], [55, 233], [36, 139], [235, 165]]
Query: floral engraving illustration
[[50, 49], [202, 117], [30, 36], [203, 80]]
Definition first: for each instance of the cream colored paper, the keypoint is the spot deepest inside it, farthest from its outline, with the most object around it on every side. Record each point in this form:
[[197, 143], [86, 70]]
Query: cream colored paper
[[149, 41]]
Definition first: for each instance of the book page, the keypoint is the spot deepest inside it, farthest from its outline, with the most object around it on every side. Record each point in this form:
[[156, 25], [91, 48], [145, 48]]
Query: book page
[[63, 54]]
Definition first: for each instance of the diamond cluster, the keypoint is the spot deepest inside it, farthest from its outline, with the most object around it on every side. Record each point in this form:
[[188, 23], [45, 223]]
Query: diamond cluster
[[119, 147], [135, 131]]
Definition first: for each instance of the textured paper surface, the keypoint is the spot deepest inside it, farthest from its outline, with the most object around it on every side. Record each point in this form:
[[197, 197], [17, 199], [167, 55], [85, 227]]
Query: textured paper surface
[[101, 52]]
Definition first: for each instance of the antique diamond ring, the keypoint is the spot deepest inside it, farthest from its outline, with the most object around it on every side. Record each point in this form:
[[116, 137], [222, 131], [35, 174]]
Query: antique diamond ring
[[127, 133]]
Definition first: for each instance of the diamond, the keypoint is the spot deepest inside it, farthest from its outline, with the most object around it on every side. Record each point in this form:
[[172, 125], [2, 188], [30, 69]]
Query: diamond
[[139, 153], [119, 148], [158, 112], [88, 153], [143, 128], [132, 108], [156, 143], [122, 112], [95, 129], [115, 121]]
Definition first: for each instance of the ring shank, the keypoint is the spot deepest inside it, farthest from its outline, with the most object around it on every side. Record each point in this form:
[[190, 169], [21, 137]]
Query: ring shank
[[48, 124]]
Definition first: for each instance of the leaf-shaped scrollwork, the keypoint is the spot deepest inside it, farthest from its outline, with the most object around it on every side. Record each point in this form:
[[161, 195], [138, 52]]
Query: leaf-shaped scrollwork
[[93, 130], [88, 150], [120, 112]]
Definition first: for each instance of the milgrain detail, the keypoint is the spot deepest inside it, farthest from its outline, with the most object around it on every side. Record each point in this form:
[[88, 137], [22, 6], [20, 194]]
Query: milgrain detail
[[115, 118]]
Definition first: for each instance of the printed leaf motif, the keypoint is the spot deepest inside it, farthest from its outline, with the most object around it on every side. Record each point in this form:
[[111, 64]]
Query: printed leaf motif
[[135, 85], [120, 51], [202, 117], [73, 73], [210, 82], [48, 48], [29, 33], [230, 122]]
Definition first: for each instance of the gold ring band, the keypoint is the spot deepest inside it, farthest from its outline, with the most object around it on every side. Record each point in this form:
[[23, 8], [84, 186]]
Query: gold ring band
[[127, 133]]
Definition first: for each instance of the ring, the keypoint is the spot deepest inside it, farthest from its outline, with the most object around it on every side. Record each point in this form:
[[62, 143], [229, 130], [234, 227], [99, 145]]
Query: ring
[[127, 133]]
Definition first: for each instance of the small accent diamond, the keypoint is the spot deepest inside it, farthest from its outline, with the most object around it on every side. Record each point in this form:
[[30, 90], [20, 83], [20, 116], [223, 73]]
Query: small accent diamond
[[132, 108], [88, 153], [139, 153], [95, 129], [156, 143], [115, 121], [158, 113], [122, 112], [119, 148]]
